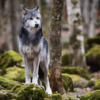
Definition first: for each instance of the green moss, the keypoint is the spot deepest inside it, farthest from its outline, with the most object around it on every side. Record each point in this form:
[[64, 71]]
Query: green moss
[[90, 83], [31, 91], [9, 59], [74, 2], [94, 40], [94, 51], [67, 82], [97, 85], [69, 98], [15, 73], [78, 81], [77, 70], [6, 83], [94, 95], [6, 96], [65, 59], [15, 87], [56, 96]]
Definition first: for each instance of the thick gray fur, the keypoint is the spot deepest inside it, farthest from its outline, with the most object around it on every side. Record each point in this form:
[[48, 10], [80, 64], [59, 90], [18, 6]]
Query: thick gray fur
[[34, 48]]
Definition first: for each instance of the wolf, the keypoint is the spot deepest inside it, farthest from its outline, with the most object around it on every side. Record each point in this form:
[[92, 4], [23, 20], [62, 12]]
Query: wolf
[[34, 48]]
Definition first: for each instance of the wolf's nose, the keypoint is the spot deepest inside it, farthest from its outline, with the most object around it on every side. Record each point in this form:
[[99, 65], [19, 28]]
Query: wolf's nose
[[36, 25]]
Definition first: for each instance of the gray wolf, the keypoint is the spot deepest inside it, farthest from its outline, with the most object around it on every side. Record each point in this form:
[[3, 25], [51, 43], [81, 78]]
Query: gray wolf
[[34, 48]]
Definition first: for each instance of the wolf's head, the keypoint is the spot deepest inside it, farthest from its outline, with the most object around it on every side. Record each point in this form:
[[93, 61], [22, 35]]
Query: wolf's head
[[32, 20]]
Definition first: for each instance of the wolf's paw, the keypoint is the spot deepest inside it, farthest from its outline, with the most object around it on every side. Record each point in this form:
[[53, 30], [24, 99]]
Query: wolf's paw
[[26, 83], [48, 91]]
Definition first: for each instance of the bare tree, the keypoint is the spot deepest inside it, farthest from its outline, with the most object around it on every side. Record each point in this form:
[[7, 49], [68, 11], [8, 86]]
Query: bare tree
[[76, 46], [55, 48], [15, 21], [93, 15]]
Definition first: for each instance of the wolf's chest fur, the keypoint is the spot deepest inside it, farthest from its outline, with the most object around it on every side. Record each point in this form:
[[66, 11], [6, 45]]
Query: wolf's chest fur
[[30, 46], [31, 51]]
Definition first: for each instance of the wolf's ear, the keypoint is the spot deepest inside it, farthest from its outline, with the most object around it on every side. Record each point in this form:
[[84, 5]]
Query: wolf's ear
[[37, 9], [24, 12]]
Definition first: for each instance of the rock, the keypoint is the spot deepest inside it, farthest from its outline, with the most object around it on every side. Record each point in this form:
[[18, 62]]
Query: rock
[[90, 83], [67, 82], [27, 91], [97, 85], [78, 81], [56, 96], [78, 71], [69, 98], [94, 95], [15, 73], [65, 59], [93, 58], [6, 95], [10, 58], [6, 83], [93, 40]]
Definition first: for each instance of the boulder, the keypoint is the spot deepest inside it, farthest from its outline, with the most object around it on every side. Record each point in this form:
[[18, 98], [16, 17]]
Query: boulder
[[94, 95], [97, 85], [6, 83], [65, 59], [10, 58], [93, 58], [78, 81], [69, 98], [67, 82], [15, 73], [77, 71]]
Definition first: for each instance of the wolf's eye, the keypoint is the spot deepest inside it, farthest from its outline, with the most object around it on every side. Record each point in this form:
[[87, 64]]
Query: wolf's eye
[[31, 18], [37, 17]]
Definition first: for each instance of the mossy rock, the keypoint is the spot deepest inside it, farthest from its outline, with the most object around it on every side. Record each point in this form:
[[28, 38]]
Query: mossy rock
[[94, 95], [6, 96], [67, 82], [10, 58], [15, 73], [65, 59], [6, 83], [90, 83], [78, 81], [56, 96], [69, 98], [32, 91], [93, 58], [97, 85], [93, 40], [78, 71]]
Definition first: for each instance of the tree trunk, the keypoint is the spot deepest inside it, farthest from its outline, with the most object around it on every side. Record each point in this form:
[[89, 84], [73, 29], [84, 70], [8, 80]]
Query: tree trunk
[[15, 22], [76, 46], [55, 48], [31, 4], [86, 17], [93, 15]]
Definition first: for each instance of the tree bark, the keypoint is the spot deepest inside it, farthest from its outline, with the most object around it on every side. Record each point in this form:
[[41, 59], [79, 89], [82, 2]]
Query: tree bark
[[86, 17], [55, 48], [76, 46], [93, 15], [15, 22]]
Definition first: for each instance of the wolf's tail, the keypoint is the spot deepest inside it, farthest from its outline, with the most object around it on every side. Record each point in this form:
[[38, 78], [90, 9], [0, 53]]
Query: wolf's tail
[[41, 73]]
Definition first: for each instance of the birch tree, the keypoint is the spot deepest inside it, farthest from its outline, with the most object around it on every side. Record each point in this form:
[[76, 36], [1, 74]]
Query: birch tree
[[93, 14], [55, 48], [86, 16], [76, 46]]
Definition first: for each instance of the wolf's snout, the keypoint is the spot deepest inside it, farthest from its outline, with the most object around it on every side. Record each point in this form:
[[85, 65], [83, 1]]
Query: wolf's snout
[[36, 25]]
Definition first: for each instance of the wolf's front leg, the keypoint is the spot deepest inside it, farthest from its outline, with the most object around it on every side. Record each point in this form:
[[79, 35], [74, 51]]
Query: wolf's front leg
[[27, 73], [36, 69]]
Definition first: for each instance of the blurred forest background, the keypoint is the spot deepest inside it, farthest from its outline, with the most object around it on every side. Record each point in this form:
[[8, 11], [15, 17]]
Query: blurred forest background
[[11, 17], [80, 34]]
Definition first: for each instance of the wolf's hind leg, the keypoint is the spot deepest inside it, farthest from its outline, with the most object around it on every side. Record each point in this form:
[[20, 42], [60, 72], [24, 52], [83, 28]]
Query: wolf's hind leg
[[48, 89], [27, 71]]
